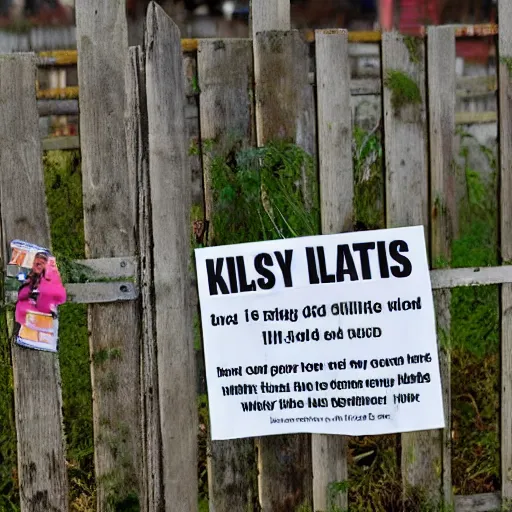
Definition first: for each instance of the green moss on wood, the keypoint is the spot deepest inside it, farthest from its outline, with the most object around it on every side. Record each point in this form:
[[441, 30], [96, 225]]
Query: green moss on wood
[[413, 45], [508, 63], [404, 90]]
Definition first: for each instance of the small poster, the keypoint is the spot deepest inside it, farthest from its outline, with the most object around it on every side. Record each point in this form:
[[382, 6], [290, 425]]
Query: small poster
[[33, 275], [329, 334]]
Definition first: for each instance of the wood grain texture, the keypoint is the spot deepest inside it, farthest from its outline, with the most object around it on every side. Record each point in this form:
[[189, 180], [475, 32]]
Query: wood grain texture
[[505, 138], [329, 453], [152, 498], [485, 502], [444, 210], [269, 15], [109, 222], [61, 143], [406, 141], [113, 268], [405, 137], [37, 384], [285, 109], [334, 131], [225, 73], [476, 276], [170, 185]]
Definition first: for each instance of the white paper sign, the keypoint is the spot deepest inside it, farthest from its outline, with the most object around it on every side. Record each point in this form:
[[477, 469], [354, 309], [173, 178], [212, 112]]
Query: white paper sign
[[330, 334]]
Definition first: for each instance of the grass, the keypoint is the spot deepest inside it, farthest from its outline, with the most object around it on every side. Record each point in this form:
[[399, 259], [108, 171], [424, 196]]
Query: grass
[[475, 339]]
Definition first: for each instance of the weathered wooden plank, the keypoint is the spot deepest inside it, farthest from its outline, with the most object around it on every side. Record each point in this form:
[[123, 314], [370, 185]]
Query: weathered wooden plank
[[329, 453], [57, 107], [114, 268], [476, 117], [37, 386], [152, 497], [102, 293], [406, 142], [444, 225], [92, 293], [109, 232], [284, 109], [405, 130], [170, 186], [226, 114], [334, 131], [478, 276], [61, 143], [505, 138], [485, 502], [269, 15], [225, 74]]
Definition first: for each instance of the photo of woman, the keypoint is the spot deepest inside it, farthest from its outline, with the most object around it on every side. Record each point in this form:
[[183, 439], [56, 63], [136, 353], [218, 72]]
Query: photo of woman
[[40, 294]]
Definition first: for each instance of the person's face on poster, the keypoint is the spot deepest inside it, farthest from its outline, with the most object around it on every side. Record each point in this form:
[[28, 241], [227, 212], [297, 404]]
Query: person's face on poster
[[39, 265]]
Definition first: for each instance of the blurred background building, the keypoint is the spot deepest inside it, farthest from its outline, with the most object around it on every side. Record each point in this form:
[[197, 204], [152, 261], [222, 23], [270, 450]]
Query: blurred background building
[[39, 25]]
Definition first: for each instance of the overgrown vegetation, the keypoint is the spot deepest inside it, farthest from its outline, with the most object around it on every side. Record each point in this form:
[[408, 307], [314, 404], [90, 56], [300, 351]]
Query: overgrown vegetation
[[475, 338], [258, 194]]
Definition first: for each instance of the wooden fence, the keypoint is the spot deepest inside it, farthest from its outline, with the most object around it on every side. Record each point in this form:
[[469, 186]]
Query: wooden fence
[[137, 196]]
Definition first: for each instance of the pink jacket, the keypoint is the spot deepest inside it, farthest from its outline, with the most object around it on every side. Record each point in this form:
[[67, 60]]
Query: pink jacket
[[51, 294]]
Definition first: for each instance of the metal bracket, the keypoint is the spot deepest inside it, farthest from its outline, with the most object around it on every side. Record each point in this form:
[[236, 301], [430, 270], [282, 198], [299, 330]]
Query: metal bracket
[[120, 286]]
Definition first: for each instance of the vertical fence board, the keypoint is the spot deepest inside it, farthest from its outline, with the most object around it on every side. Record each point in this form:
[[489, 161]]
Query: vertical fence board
[[37, 386], [109, 221], [269, 15], [443, 199], [505, 138], [170, 186], [225, 74], [284, 109], [405, 130], [226, 112], [336, 176], [136, 141]]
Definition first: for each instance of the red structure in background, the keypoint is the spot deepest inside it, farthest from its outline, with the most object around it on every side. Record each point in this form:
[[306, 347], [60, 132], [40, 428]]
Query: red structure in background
[[414, 15]]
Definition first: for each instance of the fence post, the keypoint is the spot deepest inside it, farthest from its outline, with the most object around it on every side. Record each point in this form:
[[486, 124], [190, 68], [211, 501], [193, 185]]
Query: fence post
[[443, 199], [225, 74], [152, 498], [285, 109], [406, 143], [269, 15], [505, 138], [170, 188], [37, 385], [336, 178], [110, 222]]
